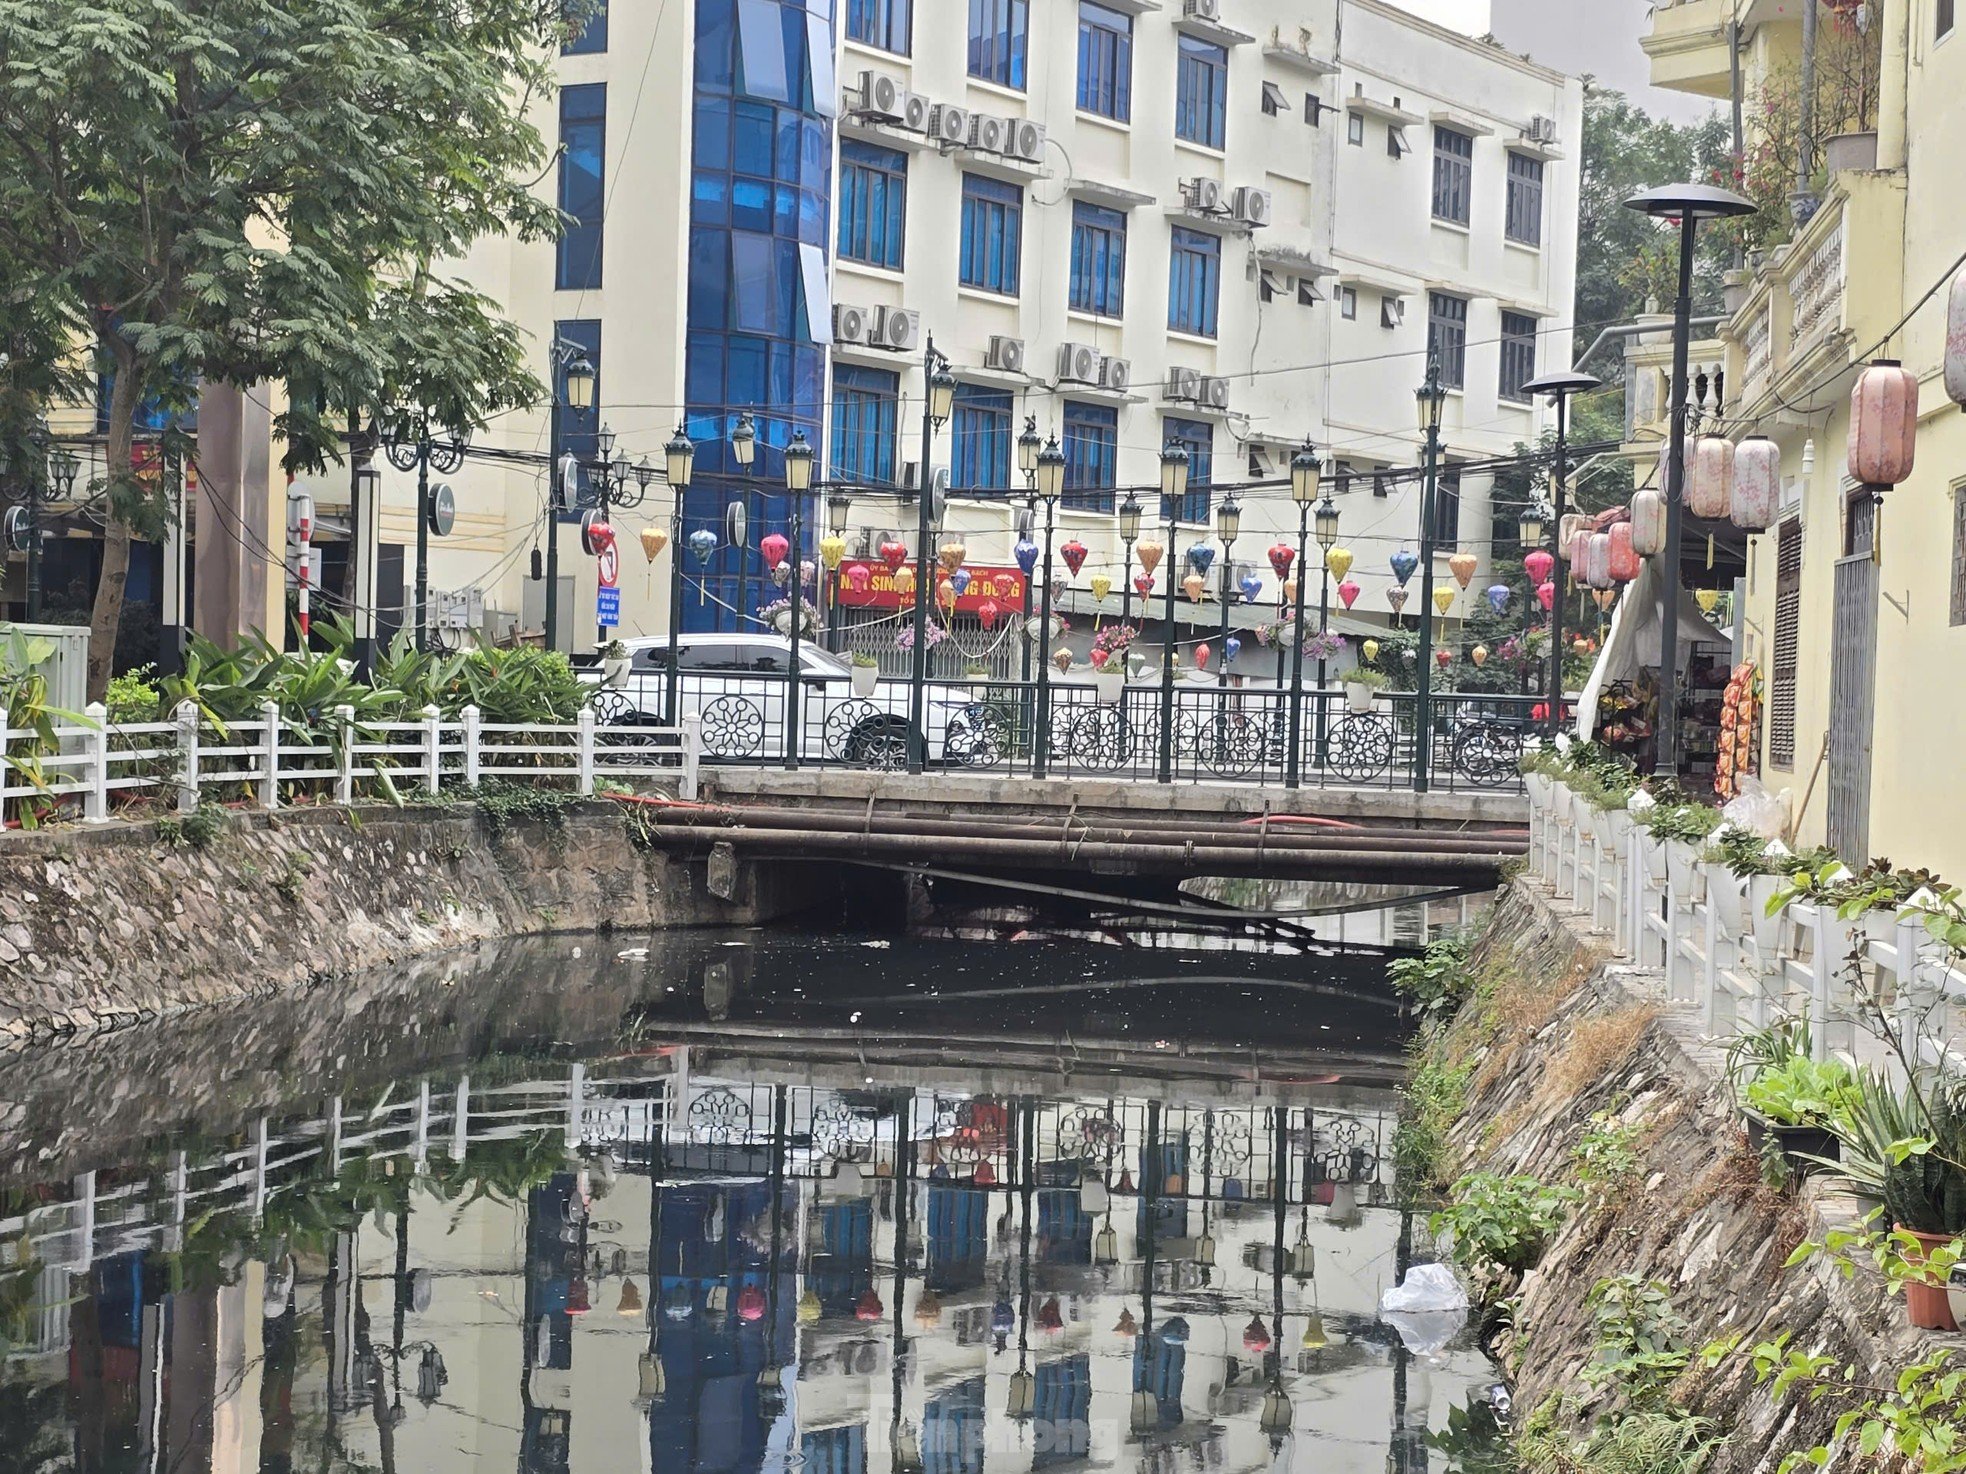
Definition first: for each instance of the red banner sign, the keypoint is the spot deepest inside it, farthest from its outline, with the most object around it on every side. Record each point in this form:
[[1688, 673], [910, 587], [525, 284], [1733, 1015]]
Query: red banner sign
[[879, 589]]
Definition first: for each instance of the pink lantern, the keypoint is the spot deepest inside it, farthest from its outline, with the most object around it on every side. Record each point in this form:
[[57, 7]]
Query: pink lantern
[[1546, 596], [1443, 658], [1143, 584], [1709, 480], [1648, 521], [1538, 565], [1202, 652], [1597, 560], [859, 577], [1757, 483], [1348, 593], [750, 1303], [1578, 551], [988, 612], [1883, 423], [774, 548], [1624, 560]]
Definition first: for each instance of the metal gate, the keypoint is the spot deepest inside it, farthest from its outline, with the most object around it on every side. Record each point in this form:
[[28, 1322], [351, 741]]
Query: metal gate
[[1852, 687]]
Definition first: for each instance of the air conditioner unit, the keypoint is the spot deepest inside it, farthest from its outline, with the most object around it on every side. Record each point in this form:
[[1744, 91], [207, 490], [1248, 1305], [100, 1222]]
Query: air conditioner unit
[[1392, 311], [1203, 193], [1214, 393], [1542, 129], [1078, 363], [1006, 354], [948, 123], [988, 132], [1026, 140], [850, 324], [1202, 9], [882, 93], [1116, 374], [896, 327], [915, 112], [1253, 206], [1183, 385]]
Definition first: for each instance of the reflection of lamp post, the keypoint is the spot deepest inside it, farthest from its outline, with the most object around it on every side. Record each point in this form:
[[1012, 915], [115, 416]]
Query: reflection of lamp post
[[680, 458], [1051, 485], [798, 481], [938, 402], [1173, 487], [1431, 396], [1560, 388]]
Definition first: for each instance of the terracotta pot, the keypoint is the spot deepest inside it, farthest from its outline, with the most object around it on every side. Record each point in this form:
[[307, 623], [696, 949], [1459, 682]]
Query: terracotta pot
[[1927, 1304]]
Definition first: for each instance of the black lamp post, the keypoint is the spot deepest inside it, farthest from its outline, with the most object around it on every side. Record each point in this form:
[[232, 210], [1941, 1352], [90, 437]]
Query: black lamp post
[[743, 450], [679, 458], [838, 504], [1228, 523], [365, 514], [1428, 400], [1688, 205], [1028, 445], [575, 391], [1129, 535], [1561, 389], [1530, 527], [420, 452], [798, 482], [1051, 485], [1327, 538], [1173, 488], [938, 402], [616, 484], [62, 469]]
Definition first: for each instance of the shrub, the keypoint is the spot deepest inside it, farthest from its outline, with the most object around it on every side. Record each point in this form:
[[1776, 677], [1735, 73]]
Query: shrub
[[1502, 1223], [1436, 982]]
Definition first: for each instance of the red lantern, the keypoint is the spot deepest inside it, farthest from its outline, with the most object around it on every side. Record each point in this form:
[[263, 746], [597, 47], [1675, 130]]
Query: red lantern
[[987, 613], [867, 1307], [1050, 1318], [1883, 423], [773, 547], [1757, 483], [1538, 565], [1143, 584], [1443, 658], [1282, 555], [1710, 479], [1348, 593], [1546, 596], [1073, 553], [984, 1176], [1624, 560], [894, 554], [1202, 652], [751, 1303], [1577, 552], [1648, 521], [1256, 1336], [1597, 560]]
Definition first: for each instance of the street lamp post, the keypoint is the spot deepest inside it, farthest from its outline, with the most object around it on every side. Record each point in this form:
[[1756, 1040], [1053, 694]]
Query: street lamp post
[[798, 481], [679, 457], [938, 400], [1028, 445], [420, 454], [1561, 389], [838, 504], [613, 476], [1530, 527], [1327, 539], [1173, 487], [574, 390], [1228, 524], [1129, 535], [62, 469], [1051, 484], [1687, 204], [1428, 400], [744, 450]]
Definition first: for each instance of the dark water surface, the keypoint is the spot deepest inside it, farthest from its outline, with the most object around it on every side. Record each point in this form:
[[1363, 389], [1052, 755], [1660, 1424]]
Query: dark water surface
[[982, 1198]]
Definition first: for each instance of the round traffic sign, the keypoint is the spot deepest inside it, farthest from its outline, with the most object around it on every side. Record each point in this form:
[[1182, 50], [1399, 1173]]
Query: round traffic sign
[[442, 509]]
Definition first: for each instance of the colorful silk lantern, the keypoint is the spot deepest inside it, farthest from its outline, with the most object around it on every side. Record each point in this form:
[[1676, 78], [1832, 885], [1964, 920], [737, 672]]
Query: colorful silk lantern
[[988, 613], [1250, 586], [1101, 586], [1462, 566], [1348, 593], [859, 577], [1026, 553], [1546, 595], [1290, 591], [1443, 599], [1605, 599], [904, 582], [1073, 553], [1231, 648], [1143, 584], [1202, 652], [1403, 563], [1710, 479], [1339, 561], [1396, 598], [1369, 649], [1282, 555], [1062, 658], [1648, 521], [1567, 528], [1597, 561], [703, 542], [1059, 583], [1201, 558], [1624, 561], [1443, 658], [808, 571], [951, 556], [960, 580], [1757, 484], [1577, 553], [772, 548], [1707, 599], [1194, 583], [832, 549], [1498, 596], [1149, 553], [1538, 565], [945, 594], [1883, 423], [1479, 655], [654, 540], [894, 553]]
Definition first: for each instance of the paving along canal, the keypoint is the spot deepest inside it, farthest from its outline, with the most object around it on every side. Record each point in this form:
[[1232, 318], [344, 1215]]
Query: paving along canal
[[975, 1197]]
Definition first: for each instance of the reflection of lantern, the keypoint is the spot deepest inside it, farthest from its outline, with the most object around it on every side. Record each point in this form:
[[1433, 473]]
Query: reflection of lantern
[[1883, 423], [1149, 553], [1250, 586], [1050, 1318], [1648, 522], [1370, 650], [1538, 565], [1256, 1336], [809, 1307], [1194, 583], [1201, 557], [751, 1303], [894, 554], [959, 580], [1710, 479], [988, 612], [1546, 595], [832, 549], [772, 548], [1403, 564], [1062, 658], [1202, 652], [1479, 655], [1101, 586], [654, 540], [1597, 561], [1143, 584], [867, 1307], [928, 1310], [1348, 593], [1339, 561], [1443, 599], [1073, 553], [1757, 484], [1462, 566], [1126, 1325], [1282, 555], [951, 556], [1624, 560], [1498, 597], [703, 542], [1026, 552], [859, 577]]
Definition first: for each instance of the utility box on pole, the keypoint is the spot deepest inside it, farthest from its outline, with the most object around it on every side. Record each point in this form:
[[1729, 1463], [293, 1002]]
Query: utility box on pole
[[66, 670]]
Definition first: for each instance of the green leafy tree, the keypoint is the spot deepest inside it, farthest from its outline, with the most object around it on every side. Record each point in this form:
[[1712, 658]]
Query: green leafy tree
[[260, 192]]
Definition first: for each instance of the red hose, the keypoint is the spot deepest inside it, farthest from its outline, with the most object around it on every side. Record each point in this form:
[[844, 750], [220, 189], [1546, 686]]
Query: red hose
[[1317, 821]]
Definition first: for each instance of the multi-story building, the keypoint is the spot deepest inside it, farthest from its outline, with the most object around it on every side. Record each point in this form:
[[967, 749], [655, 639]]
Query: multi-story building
[[1233, 224]]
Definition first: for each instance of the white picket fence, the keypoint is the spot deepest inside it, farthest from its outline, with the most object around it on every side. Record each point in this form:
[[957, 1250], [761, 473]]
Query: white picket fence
[[1709, 933], [195, 759]]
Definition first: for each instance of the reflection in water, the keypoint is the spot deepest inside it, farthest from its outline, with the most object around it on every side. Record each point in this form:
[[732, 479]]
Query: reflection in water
[[656, 1241]]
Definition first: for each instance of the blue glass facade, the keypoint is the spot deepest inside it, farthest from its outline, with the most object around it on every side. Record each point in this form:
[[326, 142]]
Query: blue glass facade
[[583, 193], [759, 307]]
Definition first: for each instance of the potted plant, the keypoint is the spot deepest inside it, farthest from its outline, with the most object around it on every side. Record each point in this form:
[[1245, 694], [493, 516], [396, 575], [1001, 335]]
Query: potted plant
[[979, 673], [1684, 831], [614, 664], [1925, 1195], [1362, 685], [866, 674], [1108, 657], [1788, 1107]]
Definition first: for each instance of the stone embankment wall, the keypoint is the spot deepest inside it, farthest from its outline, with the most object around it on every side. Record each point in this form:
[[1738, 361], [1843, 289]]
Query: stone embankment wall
[[103, 927], [1558, 1033]]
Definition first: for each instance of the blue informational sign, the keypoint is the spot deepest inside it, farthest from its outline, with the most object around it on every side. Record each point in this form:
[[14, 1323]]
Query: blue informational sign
[[607, 607]]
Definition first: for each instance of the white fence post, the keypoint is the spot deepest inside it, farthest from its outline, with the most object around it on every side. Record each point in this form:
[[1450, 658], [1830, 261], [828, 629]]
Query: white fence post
[[584, 730], [187, 752], [433, 749], [269, 758], [473, 720], [692, 755], [95, 741], [344, 783]]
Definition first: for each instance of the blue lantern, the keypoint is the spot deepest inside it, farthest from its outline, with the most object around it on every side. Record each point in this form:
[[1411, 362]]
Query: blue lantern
[[703, 542], [1201, 558], [1403, 565], [959, 581], [1174, 1331], [1232, 647], [1498, 596], [1003, 1320], [1027, 555], [1251, 586]]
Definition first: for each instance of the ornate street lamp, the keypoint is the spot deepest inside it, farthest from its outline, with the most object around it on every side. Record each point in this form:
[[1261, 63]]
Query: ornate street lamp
[[679, 459], [1129, 535], [1173, 490], [576, 388], [838, 503], [938, 403], [1228, 524], [798, 482], [1050, 486], [1561, 389], [1029, 443], [1428, 400]]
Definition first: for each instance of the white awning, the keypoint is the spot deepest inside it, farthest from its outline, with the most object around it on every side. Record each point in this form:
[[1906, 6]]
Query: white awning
[[1633, 642]]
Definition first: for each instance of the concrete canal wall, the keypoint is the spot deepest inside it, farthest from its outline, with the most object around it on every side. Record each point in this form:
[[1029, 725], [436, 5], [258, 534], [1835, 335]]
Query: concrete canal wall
[[1557, 1035], [103, 927]]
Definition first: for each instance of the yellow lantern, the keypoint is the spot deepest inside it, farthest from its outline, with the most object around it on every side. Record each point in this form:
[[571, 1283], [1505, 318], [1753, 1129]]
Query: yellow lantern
[[809, 1307], [952, 555], [945, 594], [1462, 566], [1194, 583], [832, 550], [1709, 599], [1101, 586], [654, 540], [1369, 649], [1290, 591], [904, 581], [1479, 655], [1443, 599], [1062, 658], [1339, 561], [1149, 553]]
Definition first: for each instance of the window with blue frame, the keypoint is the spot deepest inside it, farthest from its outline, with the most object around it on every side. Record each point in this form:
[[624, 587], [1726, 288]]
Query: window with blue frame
[[1201, 92], [835, 1450], [1062, 1404], [952, 1429], [593, 36], [882, 23], [583, 150], [993, 230], [1197, 437], [873, 203], [1092, 444], [980, 435], [998, 40], [1105, 61], [1098, 260], [1194, 282], [866, 410]]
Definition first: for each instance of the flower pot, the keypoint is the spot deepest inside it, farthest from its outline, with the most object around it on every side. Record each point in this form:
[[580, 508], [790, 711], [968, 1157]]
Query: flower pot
[[1928, 1303], [865, 679], [1728, 894], [782, 621], [1850, 151], [614, 672], [1687, 874], [1800, 1146], [1110, 686], [1837, 938], [1652, 856], [1768, 930], [1358, 697]]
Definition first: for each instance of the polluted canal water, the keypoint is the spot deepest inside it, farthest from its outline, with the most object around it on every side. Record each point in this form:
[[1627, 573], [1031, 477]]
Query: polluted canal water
[[974, 1197]]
